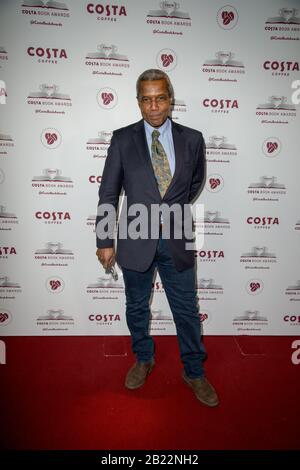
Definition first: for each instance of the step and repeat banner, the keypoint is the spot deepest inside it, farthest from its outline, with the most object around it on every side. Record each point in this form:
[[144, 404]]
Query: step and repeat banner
[[67, 80]]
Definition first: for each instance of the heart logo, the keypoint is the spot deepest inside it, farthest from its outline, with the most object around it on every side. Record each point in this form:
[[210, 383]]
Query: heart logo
[[203, 317], [214, 182], [3, 317], [107, 98], [51, 138], [227, 17], [272, 146], [167, 59], [55, 284], [254, 286]]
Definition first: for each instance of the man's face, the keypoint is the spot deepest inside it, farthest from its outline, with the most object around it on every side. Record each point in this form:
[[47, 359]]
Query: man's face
[[154, 101]]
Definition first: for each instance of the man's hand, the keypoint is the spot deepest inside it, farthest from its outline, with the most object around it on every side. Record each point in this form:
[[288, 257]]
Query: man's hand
[[106, 256]]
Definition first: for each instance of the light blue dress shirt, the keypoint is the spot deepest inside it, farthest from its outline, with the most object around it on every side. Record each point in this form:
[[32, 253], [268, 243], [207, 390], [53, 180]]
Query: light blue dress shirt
[[165, 138]]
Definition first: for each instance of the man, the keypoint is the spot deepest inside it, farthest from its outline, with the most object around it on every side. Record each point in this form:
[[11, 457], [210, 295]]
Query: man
[[158, 163]]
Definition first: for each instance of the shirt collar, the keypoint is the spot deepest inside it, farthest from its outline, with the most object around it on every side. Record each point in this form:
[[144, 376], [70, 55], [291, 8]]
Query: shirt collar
[[162, 129]]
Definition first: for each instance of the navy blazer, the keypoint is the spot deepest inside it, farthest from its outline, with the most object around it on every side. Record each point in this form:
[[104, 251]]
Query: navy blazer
[[128, 166]]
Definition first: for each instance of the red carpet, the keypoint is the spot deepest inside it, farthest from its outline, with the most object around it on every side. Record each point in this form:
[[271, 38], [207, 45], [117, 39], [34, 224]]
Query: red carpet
[[68, 393]]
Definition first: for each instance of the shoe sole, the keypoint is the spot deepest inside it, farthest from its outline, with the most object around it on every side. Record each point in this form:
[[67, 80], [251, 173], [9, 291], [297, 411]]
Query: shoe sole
[[140, 385], [186, 380]]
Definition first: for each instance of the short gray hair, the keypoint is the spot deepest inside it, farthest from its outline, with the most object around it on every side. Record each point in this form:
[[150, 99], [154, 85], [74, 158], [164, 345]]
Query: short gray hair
[[151, 75]]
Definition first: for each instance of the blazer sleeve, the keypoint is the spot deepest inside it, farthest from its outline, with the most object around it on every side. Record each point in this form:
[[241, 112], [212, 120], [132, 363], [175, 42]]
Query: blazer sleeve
[[198, 170], [109, 192]]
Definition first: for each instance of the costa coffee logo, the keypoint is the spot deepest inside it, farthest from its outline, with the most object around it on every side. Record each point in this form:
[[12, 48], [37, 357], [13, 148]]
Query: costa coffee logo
[[166, 59], [107, 98], [281, 68], [95, 179], [108, 12], [106, 318], [55, 284], [52, 217], [214, 183], [47, 55], [262, 222], [5, 317], [271, 147], [254, 286], [51, 138], [227, 17], [205, 317], [291, 319], [6, 251], [220, 105], [210, 255]]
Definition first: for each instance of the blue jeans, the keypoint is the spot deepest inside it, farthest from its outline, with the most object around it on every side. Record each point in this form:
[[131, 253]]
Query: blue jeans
[[181, 294]]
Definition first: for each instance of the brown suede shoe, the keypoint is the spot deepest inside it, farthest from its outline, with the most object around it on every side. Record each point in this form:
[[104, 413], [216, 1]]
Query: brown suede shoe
[[137, 375], [203, 390]]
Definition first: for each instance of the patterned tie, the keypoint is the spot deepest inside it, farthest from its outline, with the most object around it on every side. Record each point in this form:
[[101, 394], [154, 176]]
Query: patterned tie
[[160, 164]]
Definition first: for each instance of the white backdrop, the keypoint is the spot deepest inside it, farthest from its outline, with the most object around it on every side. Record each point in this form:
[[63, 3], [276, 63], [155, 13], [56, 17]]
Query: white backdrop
[[67, 80]]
